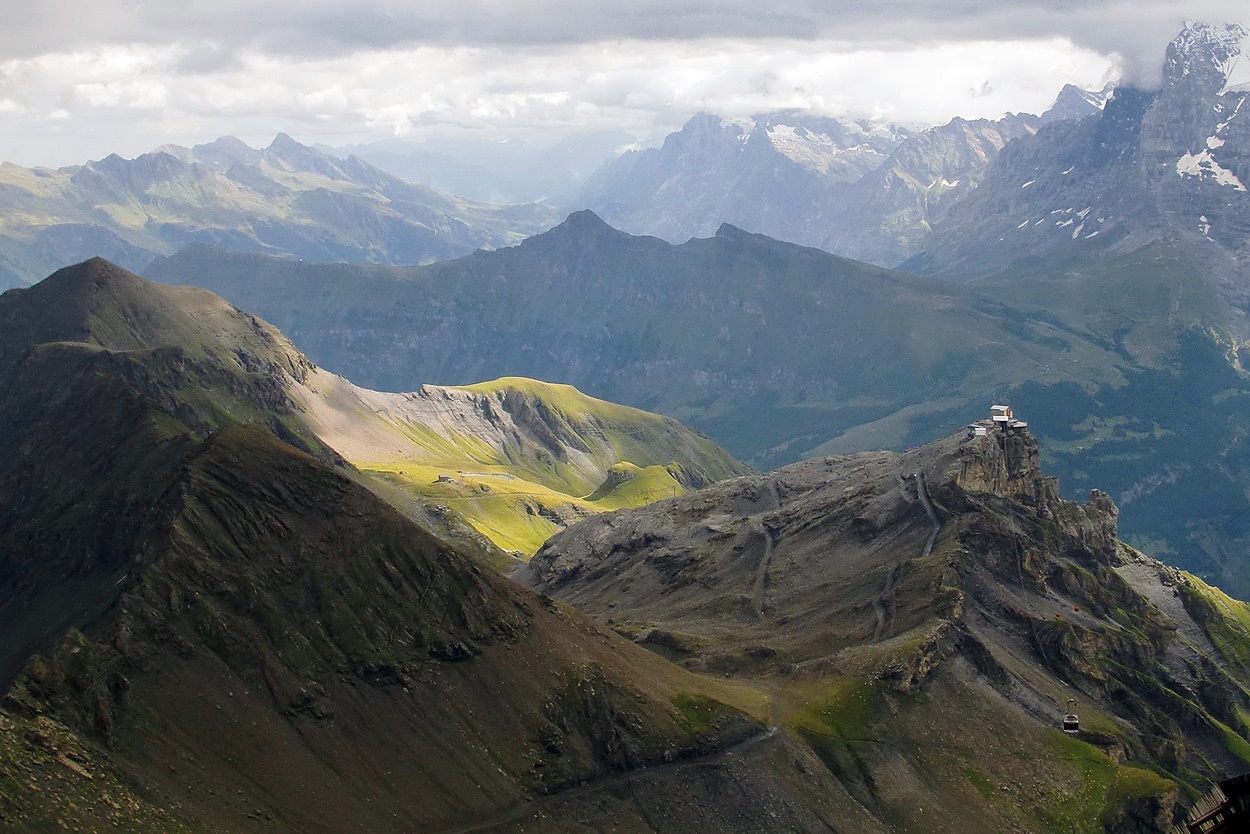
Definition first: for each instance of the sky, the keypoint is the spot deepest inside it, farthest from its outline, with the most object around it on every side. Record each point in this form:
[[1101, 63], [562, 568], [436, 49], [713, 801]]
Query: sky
[[80, 79]]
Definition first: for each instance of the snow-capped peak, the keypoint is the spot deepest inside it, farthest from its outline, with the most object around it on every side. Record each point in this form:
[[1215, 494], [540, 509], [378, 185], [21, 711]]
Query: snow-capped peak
[[1216, 53]]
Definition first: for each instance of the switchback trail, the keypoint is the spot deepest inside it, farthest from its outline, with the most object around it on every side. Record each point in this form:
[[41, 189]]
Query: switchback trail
[[528, 810], [923, 493], [761, 571], [879, 609]]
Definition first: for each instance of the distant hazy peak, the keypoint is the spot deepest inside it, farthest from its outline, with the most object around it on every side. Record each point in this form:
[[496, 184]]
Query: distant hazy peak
[[226, 152], [1074, 103], [728, 231], [583, 222]]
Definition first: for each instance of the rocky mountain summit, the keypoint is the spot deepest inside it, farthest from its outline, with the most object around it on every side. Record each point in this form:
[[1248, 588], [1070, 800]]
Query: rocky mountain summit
[[761, 174], [936, 592]]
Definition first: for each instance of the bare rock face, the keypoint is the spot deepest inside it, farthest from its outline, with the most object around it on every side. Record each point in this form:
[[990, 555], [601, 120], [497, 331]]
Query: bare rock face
[[1004, 463], [1007, 464]]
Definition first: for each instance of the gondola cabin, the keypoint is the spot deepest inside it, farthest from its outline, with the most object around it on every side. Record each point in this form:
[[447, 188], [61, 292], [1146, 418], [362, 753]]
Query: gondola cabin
[[1071, 721]]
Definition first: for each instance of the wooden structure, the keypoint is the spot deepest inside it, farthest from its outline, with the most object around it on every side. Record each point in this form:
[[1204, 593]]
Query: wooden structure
[[1225, 810]]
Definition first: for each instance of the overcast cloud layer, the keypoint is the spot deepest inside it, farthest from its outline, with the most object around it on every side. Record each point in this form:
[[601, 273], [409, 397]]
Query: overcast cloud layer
[[79, 79]]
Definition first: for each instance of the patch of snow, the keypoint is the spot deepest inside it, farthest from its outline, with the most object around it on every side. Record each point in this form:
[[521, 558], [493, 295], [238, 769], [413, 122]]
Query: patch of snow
[[1040, 222], [1220, 127], [1092, 234], [1027, 184], [1203, 165], [1063, 223], [1077, 231], [1081, 214], [1214, 142], [1022, 225], [1204, 226]]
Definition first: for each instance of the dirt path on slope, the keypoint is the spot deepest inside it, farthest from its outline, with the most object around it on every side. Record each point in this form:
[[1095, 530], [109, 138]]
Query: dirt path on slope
[[525, 811], [885, 613], [761, 570], [923, 493]]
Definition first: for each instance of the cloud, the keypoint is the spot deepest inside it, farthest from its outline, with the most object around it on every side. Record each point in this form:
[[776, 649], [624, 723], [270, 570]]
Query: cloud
[[328, 27], [80, 79], [643, 86]]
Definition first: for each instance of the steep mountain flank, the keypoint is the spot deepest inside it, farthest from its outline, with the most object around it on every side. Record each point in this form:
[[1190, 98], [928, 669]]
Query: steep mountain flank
[[887, 215], [287, 199], [1169, 165], [285, 628], [103, 392], [926, 616]]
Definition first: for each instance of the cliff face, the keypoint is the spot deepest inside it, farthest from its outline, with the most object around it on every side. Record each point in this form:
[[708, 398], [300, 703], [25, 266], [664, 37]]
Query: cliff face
[[1007, 464]]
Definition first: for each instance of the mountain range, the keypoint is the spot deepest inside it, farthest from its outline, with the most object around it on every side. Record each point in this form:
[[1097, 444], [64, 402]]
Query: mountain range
[[857, 189], [287, 199], [1124, 325], [1167, 165]]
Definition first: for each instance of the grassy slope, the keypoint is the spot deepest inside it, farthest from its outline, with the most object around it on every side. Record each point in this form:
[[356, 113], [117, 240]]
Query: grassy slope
[[517, 459]]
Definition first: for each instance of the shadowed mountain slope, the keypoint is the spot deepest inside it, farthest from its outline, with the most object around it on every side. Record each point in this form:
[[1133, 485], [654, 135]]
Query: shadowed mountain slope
[[928, 615]]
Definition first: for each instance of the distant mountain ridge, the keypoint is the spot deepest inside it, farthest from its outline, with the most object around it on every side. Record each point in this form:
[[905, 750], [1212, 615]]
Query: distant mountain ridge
[[501, 171], [781, 346], [286, 199], [853, 188]]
